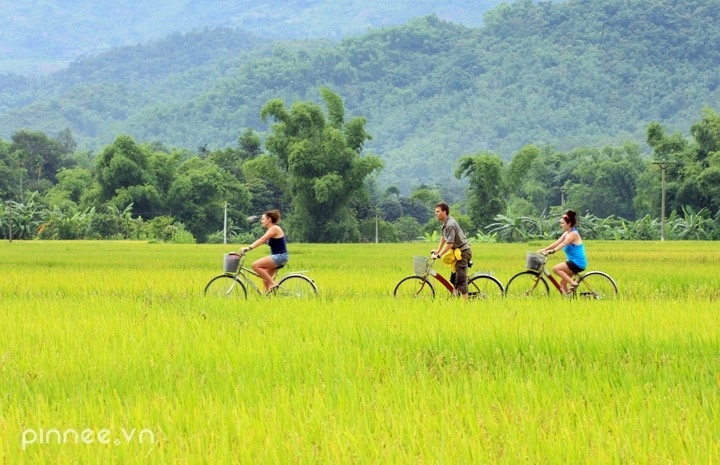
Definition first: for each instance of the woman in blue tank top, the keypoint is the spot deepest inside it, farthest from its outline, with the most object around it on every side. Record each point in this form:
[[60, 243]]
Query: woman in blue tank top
[[275, 238], [571, 243]]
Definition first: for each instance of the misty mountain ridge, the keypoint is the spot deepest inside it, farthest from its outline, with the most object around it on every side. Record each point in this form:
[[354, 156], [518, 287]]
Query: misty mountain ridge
[[41, 37]]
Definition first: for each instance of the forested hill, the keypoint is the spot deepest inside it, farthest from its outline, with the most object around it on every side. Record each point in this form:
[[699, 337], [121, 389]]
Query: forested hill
[[562, 74], [38, 37]]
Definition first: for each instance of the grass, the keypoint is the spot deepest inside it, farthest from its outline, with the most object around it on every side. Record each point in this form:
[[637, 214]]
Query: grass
[[113, 340]]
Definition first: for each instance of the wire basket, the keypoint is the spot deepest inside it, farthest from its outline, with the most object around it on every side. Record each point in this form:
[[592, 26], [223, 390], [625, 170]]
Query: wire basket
[[534, 261], [231, 261], [420, 264]]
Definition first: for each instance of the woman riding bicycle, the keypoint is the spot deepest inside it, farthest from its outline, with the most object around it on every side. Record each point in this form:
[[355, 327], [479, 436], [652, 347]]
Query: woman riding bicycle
[[571, 243], [275, 238]]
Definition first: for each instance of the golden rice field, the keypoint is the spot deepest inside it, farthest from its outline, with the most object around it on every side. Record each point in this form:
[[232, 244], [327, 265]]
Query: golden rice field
[[109, 354]]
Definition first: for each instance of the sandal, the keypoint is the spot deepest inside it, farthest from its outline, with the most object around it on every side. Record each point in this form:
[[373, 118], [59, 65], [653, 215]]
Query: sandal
[[572, 287], [271, 289]]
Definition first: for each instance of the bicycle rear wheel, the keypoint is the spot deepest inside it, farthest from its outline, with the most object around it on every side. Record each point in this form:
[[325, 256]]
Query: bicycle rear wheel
[[596, 285], [415, 287], [484, 287], [297, 286], [225, 285], [526, 284]]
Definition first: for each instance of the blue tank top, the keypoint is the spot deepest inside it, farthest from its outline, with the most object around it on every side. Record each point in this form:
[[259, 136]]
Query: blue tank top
[[277, 245], [576, 254]]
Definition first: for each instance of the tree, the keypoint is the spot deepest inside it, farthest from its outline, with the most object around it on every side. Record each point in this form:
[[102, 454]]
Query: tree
[[408, 228], [10, 172], [249, 145], [74, 225], [673, 148], [27, 217], [486, 189], [518, 229], [162, 167], [606, 180], [39, 156], [519, 167], [709, 183], [234, 161], [426, 197], [692, 175], [267, 185], [71, 185], [125, 176], [122, 220], [198, 195], [540, 177], [692, 225], [706, 133], [122, 164], [66, 141], [322, 156]]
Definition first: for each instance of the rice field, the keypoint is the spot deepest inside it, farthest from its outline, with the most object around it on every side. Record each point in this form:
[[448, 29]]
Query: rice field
[[110, 354]]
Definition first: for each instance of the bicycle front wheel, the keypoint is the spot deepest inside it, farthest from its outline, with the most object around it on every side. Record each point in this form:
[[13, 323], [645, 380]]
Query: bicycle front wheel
[[295, 286], [415, 287], [526, 284], [484, 287], [225, 285], [596, 285]]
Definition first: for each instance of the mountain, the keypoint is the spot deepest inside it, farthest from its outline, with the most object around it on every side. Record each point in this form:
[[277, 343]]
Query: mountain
[[557, 74], [41, 36]]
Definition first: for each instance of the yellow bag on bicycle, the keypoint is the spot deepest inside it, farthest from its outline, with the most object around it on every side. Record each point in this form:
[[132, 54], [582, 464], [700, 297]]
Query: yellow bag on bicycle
[[451, 257]]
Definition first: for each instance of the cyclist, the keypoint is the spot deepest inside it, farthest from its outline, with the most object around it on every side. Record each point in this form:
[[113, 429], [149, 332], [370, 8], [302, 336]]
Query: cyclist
[[451, 238], [571, 243], [275, 238]]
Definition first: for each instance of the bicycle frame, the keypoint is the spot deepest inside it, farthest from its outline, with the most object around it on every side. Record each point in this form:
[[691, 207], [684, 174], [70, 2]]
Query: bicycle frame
[[594, 285], [552, 278], [294, 284], [440, 278], [447, 284], [430, 271], [480, 285], [243, 273]]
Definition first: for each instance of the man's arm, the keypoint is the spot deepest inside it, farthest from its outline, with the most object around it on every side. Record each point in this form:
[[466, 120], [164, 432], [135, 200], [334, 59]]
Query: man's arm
[[439, 251]]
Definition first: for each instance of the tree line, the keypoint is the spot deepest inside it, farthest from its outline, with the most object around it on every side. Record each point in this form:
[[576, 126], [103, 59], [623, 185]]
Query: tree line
[[312, 167]]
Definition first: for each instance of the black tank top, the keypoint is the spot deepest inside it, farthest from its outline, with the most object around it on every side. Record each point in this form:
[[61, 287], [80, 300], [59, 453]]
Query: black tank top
[[277, 245]]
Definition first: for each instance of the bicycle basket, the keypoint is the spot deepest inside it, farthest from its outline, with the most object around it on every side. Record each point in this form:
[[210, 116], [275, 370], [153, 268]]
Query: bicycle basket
[[534, 261], [420, 264], [231, 261]]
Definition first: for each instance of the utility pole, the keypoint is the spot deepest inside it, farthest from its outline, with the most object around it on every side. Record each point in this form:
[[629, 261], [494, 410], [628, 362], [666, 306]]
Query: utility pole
[[10, 225], [663, 166], [225, 225], [377, 228]]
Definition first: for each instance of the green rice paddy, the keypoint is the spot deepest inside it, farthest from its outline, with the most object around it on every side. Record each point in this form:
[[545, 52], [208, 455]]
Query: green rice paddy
[[110, 354]]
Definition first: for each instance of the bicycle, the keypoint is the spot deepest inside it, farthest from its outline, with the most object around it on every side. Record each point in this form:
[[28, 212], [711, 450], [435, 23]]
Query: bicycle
[[236, 280], [480, 285], [593, 285]]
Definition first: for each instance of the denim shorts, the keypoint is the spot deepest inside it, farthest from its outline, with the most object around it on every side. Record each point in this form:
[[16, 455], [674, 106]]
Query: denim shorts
[[280, 258]]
